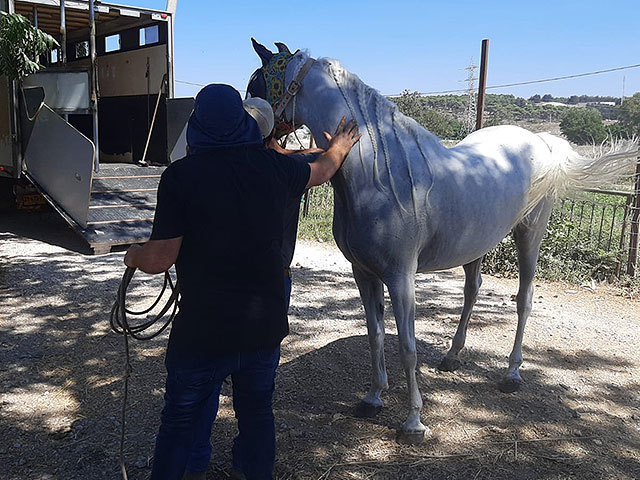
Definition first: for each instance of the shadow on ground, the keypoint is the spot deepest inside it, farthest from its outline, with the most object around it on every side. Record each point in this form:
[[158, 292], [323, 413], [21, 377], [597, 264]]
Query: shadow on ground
[[61, 390]]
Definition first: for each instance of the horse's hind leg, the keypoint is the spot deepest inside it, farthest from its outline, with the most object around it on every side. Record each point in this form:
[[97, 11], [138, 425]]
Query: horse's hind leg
[[372, 294], [472, 283], [402, 293], [528, 236]]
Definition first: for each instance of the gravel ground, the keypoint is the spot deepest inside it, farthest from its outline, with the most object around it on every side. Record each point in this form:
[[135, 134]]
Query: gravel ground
[[576, 417]]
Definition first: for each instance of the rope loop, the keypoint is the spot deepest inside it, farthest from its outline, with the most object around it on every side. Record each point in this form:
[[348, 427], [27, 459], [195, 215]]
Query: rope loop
[[120, 324]]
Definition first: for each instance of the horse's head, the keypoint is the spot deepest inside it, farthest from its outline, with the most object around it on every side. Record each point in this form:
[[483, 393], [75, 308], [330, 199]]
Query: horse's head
[[268, 82], [303, 90]]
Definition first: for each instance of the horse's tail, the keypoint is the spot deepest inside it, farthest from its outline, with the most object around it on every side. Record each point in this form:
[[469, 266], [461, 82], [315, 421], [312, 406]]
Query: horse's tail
[[566, 170]]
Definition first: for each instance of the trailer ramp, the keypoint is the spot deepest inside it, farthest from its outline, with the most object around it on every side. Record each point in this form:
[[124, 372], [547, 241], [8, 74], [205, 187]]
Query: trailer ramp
[[122, 205], [113, 205], [120, 208]]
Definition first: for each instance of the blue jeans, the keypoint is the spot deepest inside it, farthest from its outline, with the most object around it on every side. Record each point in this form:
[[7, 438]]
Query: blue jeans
[[191, 406], [201, 449]]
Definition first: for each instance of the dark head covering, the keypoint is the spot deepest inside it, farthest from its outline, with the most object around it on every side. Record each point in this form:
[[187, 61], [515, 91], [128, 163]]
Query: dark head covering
[[219, 120]]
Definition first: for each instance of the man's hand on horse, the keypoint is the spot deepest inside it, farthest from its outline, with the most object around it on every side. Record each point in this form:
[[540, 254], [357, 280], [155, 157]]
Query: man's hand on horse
[[345, 137]]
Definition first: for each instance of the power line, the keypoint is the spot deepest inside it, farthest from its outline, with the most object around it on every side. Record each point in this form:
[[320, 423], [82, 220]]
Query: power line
[[199, 84], [505, 85], [191, 83], [530, 82]]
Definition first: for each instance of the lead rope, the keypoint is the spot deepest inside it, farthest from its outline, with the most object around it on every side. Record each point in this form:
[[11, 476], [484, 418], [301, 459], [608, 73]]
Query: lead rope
[[120, 325]]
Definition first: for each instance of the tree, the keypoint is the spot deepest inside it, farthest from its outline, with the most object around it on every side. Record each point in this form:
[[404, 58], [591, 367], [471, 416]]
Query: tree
[[535, 98], [20, 41], [547, 97], [409, 103], [583, 125], [441, 125], [630, 115], [414, 106]]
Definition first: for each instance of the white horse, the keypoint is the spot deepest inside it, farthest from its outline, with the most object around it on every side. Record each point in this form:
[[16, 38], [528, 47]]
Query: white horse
[[406, 204]]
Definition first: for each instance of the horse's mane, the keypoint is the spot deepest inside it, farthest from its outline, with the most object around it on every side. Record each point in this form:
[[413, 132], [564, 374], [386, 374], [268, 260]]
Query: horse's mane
[[351, 82], [359, 98]]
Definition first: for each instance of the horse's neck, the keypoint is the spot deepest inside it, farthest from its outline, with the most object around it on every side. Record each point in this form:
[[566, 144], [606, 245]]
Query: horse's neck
[[321, 107], [394, 153]]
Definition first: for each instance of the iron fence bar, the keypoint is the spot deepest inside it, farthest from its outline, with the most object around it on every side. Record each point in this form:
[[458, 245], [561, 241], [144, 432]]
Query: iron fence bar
[[625, 219], [580, 221], [593, 209], [620, 193], [613, 220], [601, 225], [635, 224]]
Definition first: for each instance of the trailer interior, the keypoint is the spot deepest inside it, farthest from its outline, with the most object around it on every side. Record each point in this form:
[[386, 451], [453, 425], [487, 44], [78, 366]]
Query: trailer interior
[[99, 124]]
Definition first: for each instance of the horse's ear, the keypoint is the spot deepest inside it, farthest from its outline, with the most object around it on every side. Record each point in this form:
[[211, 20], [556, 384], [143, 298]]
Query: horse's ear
[[263, 52], [282, 48]]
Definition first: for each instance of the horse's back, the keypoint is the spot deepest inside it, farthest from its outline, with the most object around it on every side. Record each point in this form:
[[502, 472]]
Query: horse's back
[[456, 204], [480, 189]]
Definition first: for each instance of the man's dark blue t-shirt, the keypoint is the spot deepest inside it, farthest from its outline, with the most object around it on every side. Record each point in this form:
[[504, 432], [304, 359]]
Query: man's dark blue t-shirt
[[229, 206]]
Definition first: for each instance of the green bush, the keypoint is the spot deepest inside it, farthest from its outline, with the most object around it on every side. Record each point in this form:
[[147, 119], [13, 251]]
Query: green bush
[[583, 126], [440, 124], [318, 222], [567, 253], [630, 115]]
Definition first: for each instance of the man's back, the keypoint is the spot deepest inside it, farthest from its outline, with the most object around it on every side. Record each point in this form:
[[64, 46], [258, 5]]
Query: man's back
[[229, 206]]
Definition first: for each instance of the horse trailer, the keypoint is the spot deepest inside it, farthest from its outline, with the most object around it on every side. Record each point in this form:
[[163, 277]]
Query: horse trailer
[[94, 129]]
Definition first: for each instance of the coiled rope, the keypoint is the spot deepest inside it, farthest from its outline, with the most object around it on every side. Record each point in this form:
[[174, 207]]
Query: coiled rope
[[120, 324]]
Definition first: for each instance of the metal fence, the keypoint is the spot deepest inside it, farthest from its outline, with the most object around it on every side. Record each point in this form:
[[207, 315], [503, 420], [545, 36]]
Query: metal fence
[[595, 225], [599, 222]]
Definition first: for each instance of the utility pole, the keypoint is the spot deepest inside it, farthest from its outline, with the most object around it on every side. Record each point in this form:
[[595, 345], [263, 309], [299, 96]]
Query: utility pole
[[483, 82], [467, 121]]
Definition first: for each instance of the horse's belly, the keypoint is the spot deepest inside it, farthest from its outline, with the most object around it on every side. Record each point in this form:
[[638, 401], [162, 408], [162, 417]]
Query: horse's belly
[[444, 256], [462, 231]]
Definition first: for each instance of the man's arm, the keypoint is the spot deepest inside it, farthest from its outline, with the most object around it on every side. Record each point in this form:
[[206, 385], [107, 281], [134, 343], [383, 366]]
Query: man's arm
[[155, 256], [340, 144], [274, 145]]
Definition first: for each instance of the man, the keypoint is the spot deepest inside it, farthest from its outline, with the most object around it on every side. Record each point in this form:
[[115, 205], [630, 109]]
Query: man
[[262, 113], [219, 218]]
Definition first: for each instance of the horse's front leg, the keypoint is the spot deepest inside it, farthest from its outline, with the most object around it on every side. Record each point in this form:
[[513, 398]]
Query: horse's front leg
[[402, 293], [372, 294]]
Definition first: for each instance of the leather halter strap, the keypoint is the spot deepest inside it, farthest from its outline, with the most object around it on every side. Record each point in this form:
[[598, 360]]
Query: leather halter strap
[[293, 88]]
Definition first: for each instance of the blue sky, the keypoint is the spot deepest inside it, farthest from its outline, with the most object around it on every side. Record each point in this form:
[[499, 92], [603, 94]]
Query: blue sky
[[417, 45]]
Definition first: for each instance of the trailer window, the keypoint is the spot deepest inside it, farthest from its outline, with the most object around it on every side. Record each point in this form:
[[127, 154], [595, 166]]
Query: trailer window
[[54, 55], [112, 43], [82, 49], [148, 35]]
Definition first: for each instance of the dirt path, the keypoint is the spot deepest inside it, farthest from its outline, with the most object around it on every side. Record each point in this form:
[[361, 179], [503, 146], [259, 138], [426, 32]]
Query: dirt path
[[576, 417]]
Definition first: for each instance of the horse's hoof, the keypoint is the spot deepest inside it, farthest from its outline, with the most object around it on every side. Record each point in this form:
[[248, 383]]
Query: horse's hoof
[[509, 385], [367, 410], [449, 364], [411, 437]]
